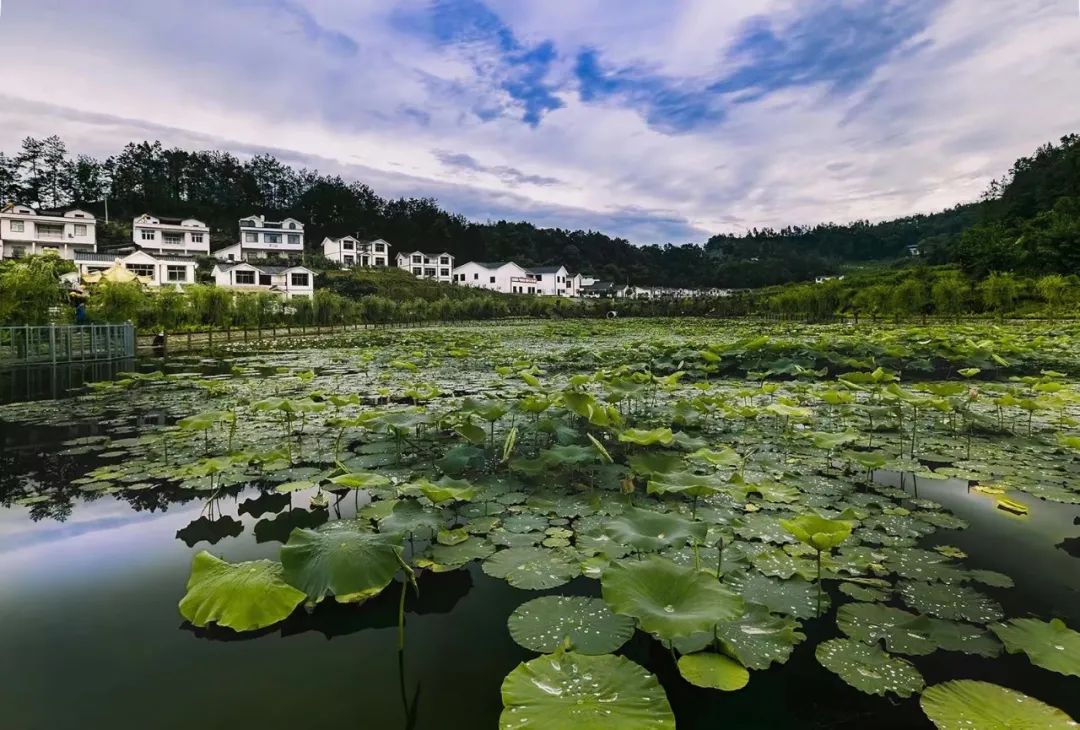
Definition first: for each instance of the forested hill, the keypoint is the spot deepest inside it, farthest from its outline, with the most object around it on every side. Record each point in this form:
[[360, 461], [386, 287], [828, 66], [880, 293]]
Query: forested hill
[[1028, 221]]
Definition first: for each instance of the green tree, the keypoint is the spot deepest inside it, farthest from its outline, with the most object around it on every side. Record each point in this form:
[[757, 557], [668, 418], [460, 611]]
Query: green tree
[[1052, 288], [950, 293], [999, 292], [29, 287], [909, 298]]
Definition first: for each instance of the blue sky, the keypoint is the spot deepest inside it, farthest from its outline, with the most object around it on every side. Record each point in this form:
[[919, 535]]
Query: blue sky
[[657, 121]]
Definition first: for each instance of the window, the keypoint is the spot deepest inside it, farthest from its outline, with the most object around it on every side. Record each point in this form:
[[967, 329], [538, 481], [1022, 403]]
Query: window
[[380, 261], [417, 259], [444, 272], [140, 269], [348, 245], [272, 237], [493, 280], [349, 260], [477, 276], [146, 234], [80, 229], [292, 226], [444, 260], [251, 237], [49, 231], [416, 271], [176, 273], [196, 237], [380, 248], [294, 238], [247, 224], [18, 226], [265, 280], [17, 252], [429, 272], [244, 277], [172, 239], [298, 279], [363, 260]]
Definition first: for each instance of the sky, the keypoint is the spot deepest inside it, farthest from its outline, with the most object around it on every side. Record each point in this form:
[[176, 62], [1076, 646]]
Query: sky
[[655, 120]]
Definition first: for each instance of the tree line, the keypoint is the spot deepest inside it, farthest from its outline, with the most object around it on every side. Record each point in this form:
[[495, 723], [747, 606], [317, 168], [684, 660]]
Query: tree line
[[1027, 222]]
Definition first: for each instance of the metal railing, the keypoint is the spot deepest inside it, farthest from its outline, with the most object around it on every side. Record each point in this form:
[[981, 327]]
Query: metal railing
[[53, 344]]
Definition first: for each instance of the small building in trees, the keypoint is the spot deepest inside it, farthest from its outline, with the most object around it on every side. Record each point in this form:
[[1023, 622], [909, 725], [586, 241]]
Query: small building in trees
[[436, 266], [289, 281], [183, 236], [349, 251], [25, 231]]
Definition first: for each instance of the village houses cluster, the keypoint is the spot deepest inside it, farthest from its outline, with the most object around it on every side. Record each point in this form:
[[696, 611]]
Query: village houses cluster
[[164, 252]]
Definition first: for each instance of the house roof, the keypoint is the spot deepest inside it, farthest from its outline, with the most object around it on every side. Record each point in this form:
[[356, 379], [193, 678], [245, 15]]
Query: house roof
[[86, 256], [545, 269]]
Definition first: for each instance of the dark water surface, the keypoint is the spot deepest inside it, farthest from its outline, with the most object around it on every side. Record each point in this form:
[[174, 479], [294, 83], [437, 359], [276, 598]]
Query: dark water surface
[[90, 635]]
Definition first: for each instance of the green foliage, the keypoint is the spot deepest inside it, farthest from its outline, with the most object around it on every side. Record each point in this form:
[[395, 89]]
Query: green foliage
[[29, 287]]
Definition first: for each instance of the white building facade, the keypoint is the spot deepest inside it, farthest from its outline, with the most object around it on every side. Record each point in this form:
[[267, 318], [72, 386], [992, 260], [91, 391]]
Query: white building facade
[[555, 281], [25, 231], [263, 239], [156, 270], [348, 252], [289, 281], [436, 266], [181, 236], [502, 276]]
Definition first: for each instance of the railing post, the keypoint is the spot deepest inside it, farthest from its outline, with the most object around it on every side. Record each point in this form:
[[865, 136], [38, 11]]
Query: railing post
[[52, 342]]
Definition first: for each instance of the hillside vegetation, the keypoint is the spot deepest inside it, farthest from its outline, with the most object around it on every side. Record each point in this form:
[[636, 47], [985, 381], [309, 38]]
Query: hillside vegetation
[[1027, 222]]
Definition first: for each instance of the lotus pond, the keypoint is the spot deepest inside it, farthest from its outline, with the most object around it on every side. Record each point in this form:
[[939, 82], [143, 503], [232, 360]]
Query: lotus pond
[[639, 524]]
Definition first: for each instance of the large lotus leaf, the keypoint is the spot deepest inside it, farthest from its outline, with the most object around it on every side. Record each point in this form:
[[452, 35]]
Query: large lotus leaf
[[655, 462], [448, 490], [572, 691], [918, 564], [649, 531], [713, 671], [668, 600], [796, 597], [760, 638], [343, 559], [1051, 645], [525, 523], [966, 704], [685, 482], [360, 480], [955, 602], [870, 622], [641, 437], [818, 532], [409, 518], [779, 564], [543, 624], [868, 668], [242, 596], [444, 558], [531, 568]]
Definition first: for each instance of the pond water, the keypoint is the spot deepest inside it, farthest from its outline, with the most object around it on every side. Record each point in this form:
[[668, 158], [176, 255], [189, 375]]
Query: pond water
[[90, 635]]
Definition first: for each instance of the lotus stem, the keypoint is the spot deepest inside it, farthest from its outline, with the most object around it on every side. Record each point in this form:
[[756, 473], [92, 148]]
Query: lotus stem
[[401, 617], [819, 583]]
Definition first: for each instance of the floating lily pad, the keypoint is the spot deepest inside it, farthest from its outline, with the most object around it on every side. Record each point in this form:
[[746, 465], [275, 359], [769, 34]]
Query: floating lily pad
[[868, 668], [796, 597], [531, 568], [713, 671], [572, 691], [760, 638], [543, 624], [444, 558], [956, 602], [649, 531], [1048, 644], [242, 597], [966, 704]]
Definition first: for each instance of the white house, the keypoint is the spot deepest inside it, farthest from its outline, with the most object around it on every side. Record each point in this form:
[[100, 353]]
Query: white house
[[184, 236], [155, 269], [261, 239], [607, 290], [555, 281], [289, 281], [502, 276], [349, 251], [25, 231], [823, 279], [437, 266]]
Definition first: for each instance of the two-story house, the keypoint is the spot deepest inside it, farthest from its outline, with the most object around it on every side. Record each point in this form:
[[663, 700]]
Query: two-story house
[[555, 281], [289, 281], [349, 251], [437, 266], [180, 236], [154, 270], [263, 239], [25, 231]]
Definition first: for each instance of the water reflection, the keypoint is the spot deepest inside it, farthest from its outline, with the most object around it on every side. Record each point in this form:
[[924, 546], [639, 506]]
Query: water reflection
[[277, 529], [209, 530], [267, 503]]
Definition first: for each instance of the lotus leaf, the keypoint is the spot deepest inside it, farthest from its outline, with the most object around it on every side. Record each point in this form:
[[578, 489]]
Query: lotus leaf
[[668, 600], [796, 597], [531, 568], [409, 518], [543, 624], [713, 671], [760, 638], [444, 558], [868, 668], [448, 490], [242, 596], [343, 559], [662, 436], [1048, 644], [965, 704], [818, 532], [955, 602], [649, 531], [571, 691]]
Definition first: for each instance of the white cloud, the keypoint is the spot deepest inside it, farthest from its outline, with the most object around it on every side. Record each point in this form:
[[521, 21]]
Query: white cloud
[[984, 83]]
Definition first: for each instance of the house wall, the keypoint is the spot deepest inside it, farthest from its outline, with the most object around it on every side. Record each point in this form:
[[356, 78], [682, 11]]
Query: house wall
[[76, 231], [149, 233], [438, 267], [259, 236], [480, 277]]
